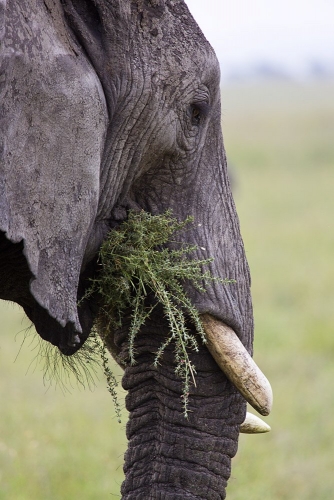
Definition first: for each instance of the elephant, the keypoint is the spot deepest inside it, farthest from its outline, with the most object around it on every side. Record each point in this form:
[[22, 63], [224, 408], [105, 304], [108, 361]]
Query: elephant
[[110, 106]]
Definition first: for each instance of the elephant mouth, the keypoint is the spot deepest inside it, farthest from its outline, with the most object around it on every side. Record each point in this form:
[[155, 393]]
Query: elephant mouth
[[234, 360], [227, 350]]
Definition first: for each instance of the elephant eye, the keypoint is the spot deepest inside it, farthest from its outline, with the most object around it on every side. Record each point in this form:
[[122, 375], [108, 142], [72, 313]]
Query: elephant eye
[[195, 115], [198, 111]]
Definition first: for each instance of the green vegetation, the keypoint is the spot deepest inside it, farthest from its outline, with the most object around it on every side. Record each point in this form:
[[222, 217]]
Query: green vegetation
[[134, 264], [279, 140]]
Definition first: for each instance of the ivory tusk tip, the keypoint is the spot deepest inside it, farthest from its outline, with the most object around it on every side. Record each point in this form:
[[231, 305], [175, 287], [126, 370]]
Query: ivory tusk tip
[[254, 425], [234, 360], [263, 401]]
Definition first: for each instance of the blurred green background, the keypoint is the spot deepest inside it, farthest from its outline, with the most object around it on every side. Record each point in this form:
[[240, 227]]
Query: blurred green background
[[68, 445], [280, 137]]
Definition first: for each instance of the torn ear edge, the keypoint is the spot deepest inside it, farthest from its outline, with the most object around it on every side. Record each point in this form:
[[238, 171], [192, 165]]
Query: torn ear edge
[[18, 283]]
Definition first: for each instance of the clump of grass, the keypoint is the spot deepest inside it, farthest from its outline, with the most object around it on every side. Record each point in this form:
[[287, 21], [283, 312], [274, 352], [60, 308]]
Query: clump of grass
[[82, 367], [134, 262]]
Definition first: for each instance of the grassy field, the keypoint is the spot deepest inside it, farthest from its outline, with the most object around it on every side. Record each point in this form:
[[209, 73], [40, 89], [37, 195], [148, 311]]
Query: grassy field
[[54, 445], [279, 139]]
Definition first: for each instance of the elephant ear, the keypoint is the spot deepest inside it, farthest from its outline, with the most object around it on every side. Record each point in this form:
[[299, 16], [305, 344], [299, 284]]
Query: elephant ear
[[53, 123]]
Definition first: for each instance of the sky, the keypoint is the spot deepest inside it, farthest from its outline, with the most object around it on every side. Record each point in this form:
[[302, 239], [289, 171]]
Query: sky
[[288, 33]]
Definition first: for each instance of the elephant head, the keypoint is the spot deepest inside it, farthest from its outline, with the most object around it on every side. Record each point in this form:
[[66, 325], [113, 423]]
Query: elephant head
[[111, 105]]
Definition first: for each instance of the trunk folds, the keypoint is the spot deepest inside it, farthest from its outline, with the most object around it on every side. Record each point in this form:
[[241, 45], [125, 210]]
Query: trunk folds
[[169, 456]]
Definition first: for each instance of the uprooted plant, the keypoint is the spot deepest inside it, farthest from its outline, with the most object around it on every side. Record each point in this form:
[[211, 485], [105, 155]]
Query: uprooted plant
[[134, 262]]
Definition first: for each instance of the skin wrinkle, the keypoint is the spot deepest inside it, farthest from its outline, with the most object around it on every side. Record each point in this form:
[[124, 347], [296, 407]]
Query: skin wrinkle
[[140, 140], [165, 382], [196, 435], [184, 475], [181, 465], [156, 131], [134, 151], [201, 456], [146, 372], [172, 494], [209, 232], [116, 167], [134, 111], [216, 401], [136, 454], [115, 147], [191, 464], [129, 158], [182, 478], [242, 275], [197, 199], [180, 449], [166, 173], [209, 229], [205, 422], [140, 398]]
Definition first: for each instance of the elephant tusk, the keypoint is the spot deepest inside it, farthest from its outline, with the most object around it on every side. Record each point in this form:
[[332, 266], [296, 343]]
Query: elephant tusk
[[234, 360], [254, 425]]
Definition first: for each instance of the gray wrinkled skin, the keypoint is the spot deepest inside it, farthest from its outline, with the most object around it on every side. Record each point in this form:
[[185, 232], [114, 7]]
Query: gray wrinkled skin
[[109, 105]]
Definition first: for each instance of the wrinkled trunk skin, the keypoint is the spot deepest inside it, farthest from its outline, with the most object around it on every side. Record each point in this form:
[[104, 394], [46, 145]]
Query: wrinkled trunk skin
[[170, 456]]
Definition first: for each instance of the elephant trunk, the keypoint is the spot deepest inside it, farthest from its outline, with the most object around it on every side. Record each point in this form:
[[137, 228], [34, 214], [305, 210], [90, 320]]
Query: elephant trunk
[[170, 456]]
